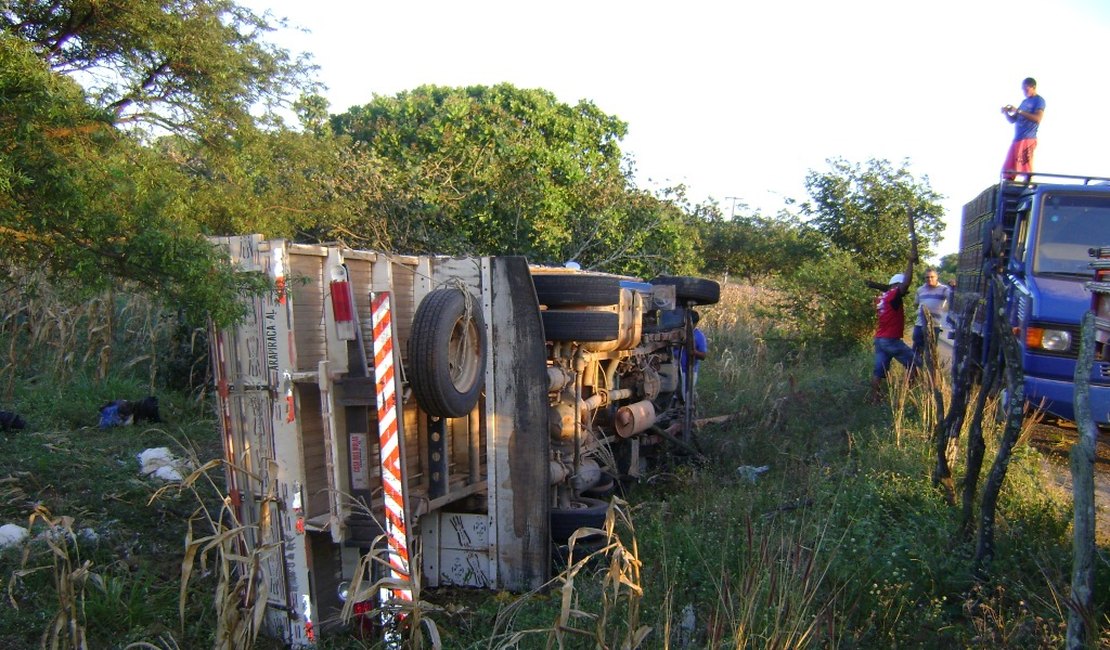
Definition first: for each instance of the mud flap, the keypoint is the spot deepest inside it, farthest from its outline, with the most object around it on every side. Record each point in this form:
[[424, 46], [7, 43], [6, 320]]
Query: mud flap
[[517, 435]]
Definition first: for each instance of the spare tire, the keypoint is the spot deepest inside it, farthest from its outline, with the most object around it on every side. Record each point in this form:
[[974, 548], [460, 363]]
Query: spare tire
[[447, 353], [688, 289]]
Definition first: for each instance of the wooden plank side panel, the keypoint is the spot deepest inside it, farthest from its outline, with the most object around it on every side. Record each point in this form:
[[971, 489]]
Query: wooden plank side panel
[[458, 446], [414, 449], [358, 271], [247, 447], [307, 291], [250, 349], [404, 304], [314, 451]]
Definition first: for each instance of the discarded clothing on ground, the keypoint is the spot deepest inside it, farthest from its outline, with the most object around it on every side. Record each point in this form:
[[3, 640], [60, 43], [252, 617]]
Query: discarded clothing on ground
[[10, 421]]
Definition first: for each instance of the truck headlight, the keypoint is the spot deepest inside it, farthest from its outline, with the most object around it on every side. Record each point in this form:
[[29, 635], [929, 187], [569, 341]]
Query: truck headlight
[[1048, 339]]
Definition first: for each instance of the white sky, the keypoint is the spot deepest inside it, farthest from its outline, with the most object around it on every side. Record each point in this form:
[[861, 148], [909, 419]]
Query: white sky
[[741, 99]]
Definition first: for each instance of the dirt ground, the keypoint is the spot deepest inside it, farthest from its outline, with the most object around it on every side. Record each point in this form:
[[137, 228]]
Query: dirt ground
[[1055, 442]]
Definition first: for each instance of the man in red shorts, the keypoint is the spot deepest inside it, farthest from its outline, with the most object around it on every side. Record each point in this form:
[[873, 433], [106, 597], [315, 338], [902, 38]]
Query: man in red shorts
[[1025, 118]]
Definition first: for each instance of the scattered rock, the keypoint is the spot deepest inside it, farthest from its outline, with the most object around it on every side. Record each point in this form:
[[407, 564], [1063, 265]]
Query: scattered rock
[[751, 473], [687, 625], [12, 535]]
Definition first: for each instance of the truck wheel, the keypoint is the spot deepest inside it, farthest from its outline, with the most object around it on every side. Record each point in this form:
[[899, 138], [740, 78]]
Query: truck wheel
[[583, 512], [699, 291], [586, 326], [447, 353], [570, 290], [604, 488]]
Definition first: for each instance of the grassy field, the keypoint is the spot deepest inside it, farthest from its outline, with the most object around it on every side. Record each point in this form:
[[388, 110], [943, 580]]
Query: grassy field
[[843, 541]]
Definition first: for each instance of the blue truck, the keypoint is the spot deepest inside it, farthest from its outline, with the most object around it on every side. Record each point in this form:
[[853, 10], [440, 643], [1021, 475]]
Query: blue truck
[[1036, 235]]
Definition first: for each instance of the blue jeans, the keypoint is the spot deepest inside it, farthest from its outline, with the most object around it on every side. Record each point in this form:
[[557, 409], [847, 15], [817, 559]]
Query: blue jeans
[[887, 350], [919, 341]]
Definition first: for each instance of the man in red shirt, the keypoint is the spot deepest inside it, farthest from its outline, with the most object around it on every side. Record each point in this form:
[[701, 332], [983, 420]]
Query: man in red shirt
[[891, 327]]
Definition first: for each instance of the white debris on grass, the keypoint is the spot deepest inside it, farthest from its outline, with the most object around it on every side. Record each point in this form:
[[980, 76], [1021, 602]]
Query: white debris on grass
[[12, 535], [687, 625], [751, 473], [160, 463]]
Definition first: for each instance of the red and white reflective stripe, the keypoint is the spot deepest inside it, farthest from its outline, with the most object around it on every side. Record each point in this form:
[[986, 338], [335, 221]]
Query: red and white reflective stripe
[[389, 442]]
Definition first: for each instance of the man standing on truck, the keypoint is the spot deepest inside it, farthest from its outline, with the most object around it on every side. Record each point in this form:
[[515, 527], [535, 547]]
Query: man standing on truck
[[934, 297], [1025, 118], [891, 327]]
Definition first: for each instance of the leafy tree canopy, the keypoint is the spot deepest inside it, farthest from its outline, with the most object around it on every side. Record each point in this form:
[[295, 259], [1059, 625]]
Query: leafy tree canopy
[[820, 304], [500, 169], [176, 64], [947, 267], [864, 208], [754, 246], [86, 202]]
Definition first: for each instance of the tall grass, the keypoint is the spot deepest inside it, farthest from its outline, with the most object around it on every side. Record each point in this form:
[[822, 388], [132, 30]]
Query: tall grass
[[93, 572], [844, 542], [48, 333]]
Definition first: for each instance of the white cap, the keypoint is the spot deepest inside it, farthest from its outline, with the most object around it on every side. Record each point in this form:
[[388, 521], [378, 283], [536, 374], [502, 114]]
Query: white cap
[[897, 278]]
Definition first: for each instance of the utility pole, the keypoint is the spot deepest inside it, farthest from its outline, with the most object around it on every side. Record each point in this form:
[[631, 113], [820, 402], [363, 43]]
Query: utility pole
[[732, 210]]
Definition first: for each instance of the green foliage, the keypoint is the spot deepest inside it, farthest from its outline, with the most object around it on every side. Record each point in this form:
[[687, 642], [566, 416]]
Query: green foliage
[[502, 170], [826, 301], [89, 205], [947, 267], [756, 246], [864, 209], [283, 184], [178, 65], [842, 543]]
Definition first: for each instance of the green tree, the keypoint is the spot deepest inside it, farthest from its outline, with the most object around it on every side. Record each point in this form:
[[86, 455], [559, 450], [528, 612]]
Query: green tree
[[87, 204], [85, 200], [754, 246], [864, 208], [181, 65], [822, 303], [306, 185], [498, 169], [947, 267]]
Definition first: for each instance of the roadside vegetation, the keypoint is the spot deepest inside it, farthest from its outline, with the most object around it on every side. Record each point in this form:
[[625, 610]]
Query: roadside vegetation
[[129, 135], [841, 542]]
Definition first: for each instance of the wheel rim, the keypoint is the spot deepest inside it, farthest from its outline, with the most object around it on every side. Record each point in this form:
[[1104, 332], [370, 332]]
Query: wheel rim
[[464, 355]]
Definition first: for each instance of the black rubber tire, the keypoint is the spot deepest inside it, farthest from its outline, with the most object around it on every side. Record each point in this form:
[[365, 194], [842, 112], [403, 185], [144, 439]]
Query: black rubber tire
[[586, 326], [571, 290], [447, 363], [691, 290], [583, 513], [583, 549], [604, 489]]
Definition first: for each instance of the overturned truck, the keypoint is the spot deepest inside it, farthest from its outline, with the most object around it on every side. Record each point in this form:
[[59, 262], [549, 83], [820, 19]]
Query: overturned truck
[[456, 414]]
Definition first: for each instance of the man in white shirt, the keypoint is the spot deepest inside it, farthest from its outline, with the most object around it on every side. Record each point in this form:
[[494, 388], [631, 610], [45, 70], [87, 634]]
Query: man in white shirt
[[934, 297]]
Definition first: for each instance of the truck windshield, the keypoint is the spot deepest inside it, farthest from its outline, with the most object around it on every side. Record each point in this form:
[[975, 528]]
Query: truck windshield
[[1069, 225]]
